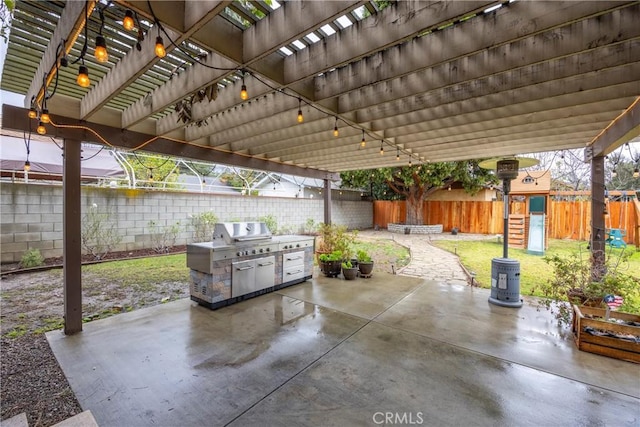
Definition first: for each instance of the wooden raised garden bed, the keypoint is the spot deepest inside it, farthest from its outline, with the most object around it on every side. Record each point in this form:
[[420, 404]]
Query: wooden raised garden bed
[[619, 337]]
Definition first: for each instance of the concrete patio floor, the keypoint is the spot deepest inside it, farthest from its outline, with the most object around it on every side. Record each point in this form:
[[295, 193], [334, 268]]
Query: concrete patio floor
[[327, 352]]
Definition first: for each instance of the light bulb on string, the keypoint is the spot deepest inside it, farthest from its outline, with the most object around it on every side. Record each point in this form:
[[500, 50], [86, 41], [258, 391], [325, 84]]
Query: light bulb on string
[[636, 172], [244, 95], [363, 143], [41, 129], [83, 76], [33, 113], [300, 116], [160, 51], [127, 22], [27, 165], [397, 154], [381, 148], [44, 116], [101, 49], [336, 133], [614, 173]]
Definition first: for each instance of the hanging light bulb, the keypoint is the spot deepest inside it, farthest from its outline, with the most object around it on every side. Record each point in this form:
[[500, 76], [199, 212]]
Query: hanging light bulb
[[381, 149], [410, 162], [336, 133], [614, 173], [160, 51], [127, 22], [363, 143], [244, 95], [397, 153], [41, 129], [27, 166], [636, 172], [44, 116], [83, 76], [101, 49], [449, 189], [300, 116], [33, 113]]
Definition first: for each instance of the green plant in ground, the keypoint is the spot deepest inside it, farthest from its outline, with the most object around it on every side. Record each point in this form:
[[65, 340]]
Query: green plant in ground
[[163, 238], [31, 258], [17, 332], [271, 222], [99, 234], [203, 224], [310, 227]]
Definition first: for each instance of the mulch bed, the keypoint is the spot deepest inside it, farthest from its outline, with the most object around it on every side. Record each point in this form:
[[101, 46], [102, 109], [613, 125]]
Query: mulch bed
[[89, 259]]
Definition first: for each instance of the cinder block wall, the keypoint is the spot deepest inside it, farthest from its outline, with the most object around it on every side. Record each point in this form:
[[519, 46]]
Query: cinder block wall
[[32, 214]]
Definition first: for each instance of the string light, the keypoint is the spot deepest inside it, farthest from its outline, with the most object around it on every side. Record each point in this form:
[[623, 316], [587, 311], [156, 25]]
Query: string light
[[410, 161], [363, 143], [27, 166], [397, 153], [636, 172], [160, 51], [127, 22], [336, 133], [83, 76], [614, 173], [381, 148], [101, 49], [44, 116], [300, 116], [41, 129], [33, 113], [244, 95]]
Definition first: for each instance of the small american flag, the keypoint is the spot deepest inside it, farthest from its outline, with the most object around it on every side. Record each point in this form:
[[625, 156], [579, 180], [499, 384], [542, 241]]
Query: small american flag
[[613, 301]]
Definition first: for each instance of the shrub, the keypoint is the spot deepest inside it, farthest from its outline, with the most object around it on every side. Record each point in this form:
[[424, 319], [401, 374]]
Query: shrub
[[163, 238], [573, 282], [203, 224], [99, 233], [363, 256], [271, 222], [31, 258]]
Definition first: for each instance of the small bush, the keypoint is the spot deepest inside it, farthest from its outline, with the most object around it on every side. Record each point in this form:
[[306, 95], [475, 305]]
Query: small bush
[[203, 224], [99, 234], [31, 258], [271, 223], [163, 238]]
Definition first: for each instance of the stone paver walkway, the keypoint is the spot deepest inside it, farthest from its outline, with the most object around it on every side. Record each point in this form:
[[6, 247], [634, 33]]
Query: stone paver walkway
[[428, 261]]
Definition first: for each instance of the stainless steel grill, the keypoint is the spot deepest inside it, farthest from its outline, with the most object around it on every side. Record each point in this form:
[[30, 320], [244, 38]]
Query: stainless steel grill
[[243, 260]]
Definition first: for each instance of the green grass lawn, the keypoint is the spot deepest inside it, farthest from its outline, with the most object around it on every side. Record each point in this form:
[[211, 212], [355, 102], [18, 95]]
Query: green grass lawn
[[476, 257], [143, 271]]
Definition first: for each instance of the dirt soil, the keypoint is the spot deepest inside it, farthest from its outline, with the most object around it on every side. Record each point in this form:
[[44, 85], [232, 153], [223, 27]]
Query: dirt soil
[[31, 380], [32, 302]]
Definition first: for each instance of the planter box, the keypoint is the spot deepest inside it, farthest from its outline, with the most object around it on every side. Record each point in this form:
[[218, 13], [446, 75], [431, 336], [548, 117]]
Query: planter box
[[605, 345]]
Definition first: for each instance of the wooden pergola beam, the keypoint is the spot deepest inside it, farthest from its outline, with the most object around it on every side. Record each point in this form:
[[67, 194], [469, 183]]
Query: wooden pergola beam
[[67, 128]]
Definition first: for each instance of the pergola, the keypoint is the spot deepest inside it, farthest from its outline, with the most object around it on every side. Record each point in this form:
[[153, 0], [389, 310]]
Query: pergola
[[330, 85]]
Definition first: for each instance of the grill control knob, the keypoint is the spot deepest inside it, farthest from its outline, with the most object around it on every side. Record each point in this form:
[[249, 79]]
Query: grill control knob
[[298, 245], [268, 249], [253, 251], [239, 254], [261, 250]]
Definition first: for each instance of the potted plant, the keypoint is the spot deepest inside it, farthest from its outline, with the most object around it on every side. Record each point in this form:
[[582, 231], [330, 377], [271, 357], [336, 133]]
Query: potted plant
[[573, 283], [349, 271], [331, 264], [365, 264]]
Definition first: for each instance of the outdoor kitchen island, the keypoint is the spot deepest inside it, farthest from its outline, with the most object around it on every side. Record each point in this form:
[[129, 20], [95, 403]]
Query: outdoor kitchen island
[[245, 260]]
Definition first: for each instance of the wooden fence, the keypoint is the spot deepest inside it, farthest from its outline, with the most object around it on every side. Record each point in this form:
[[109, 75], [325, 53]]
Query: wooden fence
[[567, 220]]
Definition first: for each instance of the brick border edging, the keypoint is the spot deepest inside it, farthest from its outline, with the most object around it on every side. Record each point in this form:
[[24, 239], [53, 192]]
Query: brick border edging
[[415, 229]]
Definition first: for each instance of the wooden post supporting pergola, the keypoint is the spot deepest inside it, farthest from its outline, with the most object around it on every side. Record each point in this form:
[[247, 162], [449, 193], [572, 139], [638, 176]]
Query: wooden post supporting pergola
[[623, 129]]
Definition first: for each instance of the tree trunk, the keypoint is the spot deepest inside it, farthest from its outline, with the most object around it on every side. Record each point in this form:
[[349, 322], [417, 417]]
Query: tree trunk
[[414, 210]]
